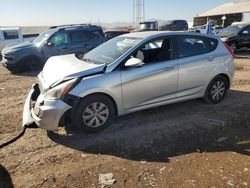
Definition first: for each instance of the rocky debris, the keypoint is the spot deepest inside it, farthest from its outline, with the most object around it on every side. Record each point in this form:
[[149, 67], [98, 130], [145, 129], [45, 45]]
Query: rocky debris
[[84, 155], [246, 169], [106, 179], [143, 162], [162, 169]]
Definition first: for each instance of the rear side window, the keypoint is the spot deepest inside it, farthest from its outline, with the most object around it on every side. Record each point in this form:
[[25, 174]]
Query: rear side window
[[192, 45], [81, 36], [8, 35]]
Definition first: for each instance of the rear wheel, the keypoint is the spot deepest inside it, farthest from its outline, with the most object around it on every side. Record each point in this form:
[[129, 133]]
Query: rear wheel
[[216, 90], [94, 113]]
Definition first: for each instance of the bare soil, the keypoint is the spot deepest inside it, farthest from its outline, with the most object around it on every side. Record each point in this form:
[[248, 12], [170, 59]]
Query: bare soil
[[189, 144]]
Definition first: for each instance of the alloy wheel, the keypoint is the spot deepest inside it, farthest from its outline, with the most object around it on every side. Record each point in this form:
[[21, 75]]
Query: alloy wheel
[[218, 90], [95, 115]]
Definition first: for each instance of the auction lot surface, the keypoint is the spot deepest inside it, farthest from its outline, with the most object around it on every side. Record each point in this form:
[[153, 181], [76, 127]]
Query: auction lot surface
[[190, 144]]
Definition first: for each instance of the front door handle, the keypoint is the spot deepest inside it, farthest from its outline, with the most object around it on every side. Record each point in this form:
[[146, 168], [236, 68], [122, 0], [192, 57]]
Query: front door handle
[[169, 68]]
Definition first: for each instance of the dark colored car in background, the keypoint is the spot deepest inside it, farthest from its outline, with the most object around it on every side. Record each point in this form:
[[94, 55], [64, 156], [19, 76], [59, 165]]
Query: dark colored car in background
[[112, 34], [236, 36], [163, 25], [57, 40]]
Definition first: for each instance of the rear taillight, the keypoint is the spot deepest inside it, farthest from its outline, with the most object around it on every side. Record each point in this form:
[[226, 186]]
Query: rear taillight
[[230, 50]]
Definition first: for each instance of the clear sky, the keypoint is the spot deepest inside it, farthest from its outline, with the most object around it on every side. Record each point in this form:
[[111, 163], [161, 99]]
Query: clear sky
[[50, 12]]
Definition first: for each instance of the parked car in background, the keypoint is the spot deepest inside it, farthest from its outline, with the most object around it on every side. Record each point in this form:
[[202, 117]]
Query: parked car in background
[[236, 35], [112, 34], [203, 29], [163, 25], [129, 73], [12, 35], [57, 40]]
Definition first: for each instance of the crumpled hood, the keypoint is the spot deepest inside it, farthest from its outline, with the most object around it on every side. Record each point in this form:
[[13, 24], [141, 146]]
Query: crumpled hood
[[59, 68], [15, 47]]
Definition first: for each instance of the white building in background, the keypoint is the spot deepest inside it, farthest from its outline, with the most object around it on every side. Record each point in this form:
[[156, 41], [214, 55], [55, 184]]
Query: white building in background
[[226, 14]]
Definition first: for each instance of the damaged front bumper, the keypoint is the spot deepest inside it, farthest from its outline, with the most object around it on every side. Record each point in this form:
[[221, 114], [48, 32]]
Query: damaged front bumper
[[45, 113]]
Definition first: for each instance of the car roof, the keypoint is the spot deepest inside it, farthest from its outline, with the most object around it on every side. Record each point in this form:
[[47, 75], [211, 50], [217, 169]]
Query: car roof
[[9, 28], [154, 34], [75, 26]]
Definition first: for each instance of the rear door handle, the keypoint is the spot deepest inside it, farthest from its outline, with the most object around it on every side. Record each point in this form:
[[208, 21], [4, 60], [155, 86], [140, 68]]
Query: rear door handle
[[210, 59], [65, 48]]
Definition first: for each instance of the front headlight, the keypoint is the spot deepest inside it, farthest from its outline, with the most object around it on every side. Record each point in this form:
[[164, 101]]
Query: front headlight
[[61, 90]]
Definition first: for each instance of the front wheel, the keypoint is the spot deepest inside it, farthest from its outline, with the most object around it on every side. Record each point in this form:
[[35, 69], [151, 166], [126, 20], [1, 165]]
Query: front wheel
[[216, 90], [94, 113]]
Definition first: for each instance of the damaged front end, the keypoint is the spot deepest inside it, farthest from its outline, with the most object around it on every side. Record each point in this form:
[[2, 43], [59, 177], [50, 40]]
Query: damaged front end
[[44, 112]]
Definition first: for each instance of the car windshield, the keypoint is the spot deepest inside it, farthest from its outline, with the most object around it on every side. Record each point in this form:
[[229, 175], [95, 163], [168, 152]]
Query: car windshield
[[43, 37], [111, 50], [232, 29]]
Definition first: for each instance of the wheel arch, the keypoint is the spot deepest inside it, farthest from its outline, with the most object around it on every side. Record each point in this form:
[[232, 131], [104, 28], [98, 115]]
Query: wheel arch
[[226, 77], [106, 95]]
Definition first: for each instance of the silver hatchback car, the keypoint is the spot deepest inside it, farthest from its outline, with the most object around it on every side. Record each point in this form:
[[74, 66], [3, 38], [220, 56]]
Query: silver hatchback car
[[129, 73]]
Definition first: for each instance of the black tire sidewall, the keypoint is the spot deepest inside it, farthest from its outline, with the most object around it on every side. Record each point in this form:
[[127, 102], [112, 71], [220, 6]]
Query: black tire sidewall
[[208, 96], [85, 102]]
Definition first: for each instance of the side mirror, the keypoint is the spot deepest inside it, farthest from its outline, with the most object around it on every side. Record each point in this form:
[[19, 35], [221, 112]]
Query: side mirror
[[134, 62], [50, 44], [245, 32]]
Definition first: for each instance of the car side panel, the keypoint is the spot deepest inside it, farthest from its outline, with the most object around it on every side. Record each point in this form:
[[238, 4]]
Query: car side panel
[[194, 72]]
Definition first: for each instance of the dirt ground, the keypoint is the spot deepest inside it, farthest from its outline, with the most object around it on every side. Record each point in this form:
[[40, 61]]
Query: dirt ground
[[190, 144]]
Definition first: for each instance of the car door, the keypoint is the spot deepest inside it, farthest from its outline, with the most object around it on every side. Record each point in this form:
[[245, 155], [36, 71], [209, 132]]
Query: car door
[[154, 82], [245, 37], [197, 61], [59, 44]]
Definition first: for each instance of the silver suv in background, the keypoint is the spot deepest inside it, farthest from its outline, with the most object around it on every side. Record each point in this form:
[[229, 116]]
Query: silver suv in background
[[131, 72]]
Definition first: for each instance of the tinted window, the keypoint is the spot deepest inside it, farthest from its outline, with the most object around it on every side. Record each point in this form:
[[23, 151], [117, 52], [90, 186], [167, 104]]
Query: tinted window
[[191, 46], [8, 35], [81, 36]]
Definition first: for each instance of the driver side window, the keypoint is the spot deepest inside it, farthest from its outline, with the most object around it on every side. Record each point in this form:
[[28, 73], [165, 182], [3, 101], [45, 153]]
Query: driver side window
[[60, 39], [155, 51]]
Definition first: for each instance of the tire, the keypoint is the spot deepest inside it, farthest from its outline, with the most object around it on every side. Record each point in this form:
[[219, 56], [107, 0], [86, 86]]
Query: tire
[[233, 46], [216, 90], [93, 113]]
